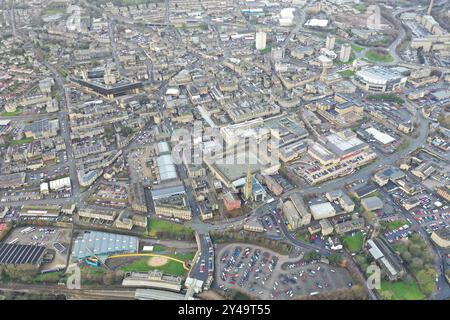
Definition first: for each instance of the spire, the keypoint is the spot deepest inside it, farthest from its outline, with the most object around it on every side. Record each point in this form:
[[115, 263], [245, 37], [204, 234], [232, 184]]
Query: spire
[[248, 187], [430, 7]]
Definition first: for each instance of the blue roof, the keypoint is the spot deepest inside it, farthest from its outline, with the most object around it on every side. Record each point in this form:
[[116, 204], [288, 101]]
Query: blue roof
[[103, 244]]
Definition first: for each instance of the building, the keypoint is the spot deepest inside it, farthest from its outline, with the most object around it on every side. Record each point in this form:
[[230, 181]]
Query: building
[[295, 211], [59, 184], [260, 40], [43, 128], [379, 79], [343, 199], [372, 203], [154, 279], [444, 192], [231, 201], [97, 213], [326, 227], [330, 42], [346, 52], [253, 225], [385, 175], [441, 238], [350, 225], [171, 201], [424, 170], [41, 211], [322, 210], [386, 259], [102, 244], [12, 181]]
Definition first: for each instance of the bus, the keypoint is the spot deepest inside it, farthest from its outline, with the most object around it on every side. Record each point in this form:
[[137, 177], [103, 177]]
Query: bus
[[27, 230], [270, 200], [13, 241], [314, 293]]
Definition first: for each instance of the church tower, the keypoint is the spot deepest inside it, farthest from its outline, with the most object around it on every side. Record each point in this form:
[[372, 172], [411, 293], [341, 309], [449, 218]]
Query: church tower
[[248, 187]]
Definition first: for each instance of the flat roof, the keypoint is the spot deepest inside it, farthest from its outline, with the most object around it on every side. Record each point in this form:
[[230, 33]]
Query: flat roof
[[101, 243], [382, 137], [20, 253]]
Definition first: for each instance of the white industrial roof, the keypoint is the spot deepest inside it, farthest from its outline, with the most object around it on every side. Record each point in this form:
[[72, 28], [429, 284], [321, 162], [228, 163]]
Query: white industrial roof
[[166, 168], [342, 144], [317, 23], [322, 210], [382, 137], [60, 183]]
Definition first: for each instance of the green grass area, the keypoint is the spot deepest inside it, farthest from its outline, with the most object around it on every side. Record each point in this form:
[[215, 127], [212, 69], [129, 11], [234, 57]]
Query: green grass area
[[134, 2], [400, 290], [157, 248], [357, 48], [393, 225], [185, 256], [375, 194], [21, 141], [369, 216], [155, 225], [266, 50], [141, 265], [361, 7], [346, 73], [386, 97], [405, 144], [302, 236], [12, 114], [51, 277], [375, 56], [52, 11], [355, 242]]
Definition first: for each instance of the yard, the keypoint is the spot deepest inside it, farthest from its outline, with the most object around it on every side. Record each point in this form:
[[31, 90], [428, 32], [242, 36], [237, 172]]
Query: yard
[[346, 73], [400, 290], [393, 225], [378, 55], [12, 114], [141, 265], [155, 225], [354, 242]]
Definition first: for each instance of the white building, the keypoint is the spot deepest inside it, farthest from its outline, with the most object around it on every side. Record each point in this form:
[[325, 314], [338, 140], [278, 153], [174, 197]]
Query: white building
[[260, 40]]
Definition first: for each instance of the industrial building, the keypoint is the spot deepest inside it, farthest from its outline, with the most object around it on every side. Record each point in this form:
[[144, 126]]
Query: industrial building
[[322, 210], [385, 258], [171, 201], [295, 211], [40, 211], [372, 203], [102, 244]]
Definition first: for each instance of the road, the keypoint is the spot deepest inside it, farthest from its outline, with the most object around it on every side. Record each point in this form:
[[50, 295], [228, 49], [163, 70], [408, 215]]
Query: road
[[63, 116]]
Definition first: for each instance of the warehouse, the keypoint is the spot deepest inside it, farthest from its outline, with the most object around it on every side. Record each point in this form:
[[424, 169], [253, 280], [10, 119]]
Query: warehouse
[[41, 211], [59, 184], [166, 167], [322, 210], [372, 203], [103, 244], [381, 137]]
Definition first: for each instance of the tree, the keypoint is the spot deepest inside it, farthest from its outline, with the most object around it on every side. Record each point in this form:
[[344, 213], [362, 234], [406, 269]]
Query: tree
[[407, 256], [415, 250], [109, 277], [416, 263], [335, 259]]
